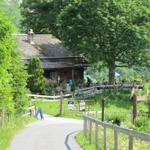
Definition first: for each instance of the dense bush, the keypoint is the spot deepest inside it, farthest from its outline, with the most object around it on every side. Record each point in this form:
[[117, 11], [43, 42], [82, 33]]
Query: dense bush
[[12, 74], [36, 80]]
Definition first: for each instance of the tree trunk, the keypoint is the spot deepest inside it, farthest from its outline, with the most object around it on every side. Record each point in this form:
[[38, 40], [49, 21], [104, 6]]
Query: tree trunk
[[112, 73], [134, 111]]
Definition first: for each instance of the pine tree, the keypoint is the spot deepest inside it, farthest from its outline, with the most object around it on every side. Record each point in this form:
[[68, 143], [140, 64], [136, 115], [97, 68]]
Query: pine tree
[[36, 81]]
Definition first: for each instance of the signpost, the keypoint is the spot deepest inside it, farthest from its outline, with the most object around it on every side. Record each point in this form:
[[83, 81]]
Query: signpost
[[61, 95], [70, 105], [82, 105]]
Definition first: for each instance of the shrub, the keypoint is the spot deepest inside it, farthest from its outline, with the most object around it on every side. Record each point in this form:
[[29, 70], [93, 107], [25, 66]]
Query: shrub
[[49, 89], [36, 80], [63, 85], [73, 86], [115, 118], [142, 124]]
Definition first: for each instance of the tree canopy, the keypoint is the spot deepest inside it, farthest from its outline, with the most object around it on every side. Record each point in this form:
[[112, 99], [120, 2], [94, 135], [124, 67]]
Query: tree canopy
[[112, 31], [117, 33], [41, 15]]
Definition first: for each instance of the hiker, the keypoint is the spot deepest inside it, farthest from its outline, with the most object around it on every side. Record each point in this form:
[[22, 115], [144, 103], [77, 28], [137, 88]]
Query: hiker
[[39, 111]]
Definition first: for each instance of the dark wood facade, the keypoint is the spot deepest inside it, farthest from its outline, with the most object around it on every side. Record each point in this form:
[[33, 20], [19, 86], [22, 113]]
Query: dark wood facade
[[64, 74]]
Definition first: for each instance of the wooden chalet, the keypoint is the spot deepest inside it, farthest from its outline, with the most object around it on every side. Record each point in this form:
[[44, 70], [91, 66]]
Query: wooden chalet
[[58, 62]]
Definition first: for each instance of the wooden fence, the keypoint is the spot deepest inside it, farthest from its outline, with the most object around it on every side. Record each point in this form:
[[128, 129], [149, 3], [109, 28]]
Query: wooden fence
[[89, 91], [88, 125], [47, 96]]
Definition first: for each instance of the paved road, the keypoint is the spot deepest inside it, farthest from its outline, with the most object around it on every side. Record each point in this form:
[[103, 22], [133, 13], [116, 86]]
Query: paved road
[[48, 134]]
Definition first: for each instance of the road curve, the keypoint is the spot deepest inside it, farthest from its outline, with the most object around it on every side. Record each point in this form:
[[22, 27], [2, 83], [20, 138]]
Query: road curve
[[48, 134]]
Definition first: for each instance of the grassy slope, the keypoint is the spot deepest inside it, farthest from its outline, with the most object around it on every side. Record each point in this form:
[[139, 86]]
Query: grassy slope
[[10, 129]]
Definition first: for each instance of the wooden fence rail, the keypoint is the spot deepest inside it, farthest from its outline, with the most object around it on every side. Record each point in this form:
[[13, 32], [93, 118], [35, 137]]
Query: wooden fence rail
[[87, 128]]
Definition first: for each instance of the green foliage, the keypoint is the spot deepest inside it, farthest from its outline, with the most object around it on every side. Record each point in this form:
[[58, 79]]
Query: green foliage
[[12, 9], [41, 15], [6, 46], [142, 124], [73, 86], [115, 118], [114, 32], [36, 80], [63, 85], [148, 101], [19, 82], [49, 89], [13, 77]]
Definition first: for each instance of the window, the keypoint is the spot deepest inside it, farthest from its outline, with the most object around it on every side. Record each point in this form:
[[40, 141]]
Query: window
[[54, 75]]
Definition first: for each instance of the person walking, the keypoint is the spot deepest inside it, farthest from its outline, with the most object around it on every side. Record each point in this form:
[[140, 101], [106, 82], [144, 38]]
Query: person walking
[[39, 111]]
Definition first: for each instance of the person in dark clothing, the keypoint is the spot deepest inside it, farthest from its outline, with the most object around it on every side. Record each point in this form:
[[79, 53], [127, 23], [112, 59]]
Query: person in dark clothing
[[89, 82]]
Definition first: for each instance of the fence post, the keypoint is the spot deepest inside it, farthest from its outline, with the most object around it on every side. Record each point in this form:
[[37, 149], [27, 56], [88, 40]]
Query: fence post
[[96, 135], [60, 104], [130, 143], [103, 107], [105, 138], [96, 114], [85, 127], [115, 139], [90, 132]]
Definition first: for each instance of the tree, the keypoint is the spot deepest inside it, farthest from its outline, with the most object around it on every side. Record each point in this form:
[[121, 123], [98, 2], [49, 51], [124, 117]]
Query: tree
[[41, 15], [19, 82], [12, 74], [36, 80], [114, 32], [6, 45]]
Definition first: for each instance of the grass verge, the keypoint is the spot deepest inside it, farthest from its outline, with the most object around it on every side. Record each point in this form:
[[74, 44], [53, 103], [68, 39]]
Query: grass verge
[[122, 141], [10, 129], [83, 142]]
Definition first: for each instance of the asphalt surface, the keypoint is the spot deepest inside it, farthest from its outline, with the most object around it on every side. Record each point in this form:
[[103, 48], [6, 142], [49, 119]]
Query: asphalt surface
[[48, 134]]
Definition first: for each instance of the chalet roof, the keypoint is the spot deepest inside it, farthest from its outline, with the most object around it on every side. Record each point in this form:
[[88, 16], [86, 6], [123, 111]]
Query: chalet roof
[[45, 45], [50, 50]]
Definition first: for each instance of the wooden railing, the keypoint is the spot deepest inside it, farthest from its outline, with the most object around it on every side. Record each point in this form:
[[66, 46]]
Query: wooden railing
[[88, 126], [47, 96]]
